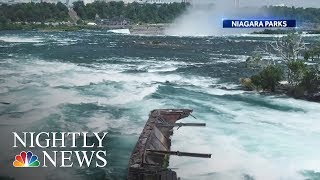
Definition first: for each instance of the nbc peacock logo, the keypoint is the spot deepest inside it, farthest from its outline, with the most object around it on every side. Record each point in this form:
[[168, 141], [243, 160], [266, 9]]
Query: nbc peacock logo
[[26, 160]]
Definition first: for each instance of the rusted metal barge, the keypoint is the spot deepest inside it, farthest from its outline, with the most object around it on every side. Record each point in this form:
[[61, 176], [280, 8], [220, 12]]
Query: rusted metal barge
[[150, 158]]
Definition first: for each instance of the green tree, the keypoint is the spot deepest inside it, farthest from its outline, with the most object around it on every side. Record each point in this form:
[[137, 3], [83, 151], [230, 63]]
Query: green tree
[[34, 12], [268, 78], [297, 70], [288, 48], [311, 81], [135, 12], [3, 20], [80, 8]]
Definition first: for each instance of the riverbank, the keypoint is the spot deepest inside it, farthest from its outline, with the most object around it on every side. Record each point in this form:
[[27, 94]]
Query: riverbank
[[44, 27], [292, 92], [137, 29]]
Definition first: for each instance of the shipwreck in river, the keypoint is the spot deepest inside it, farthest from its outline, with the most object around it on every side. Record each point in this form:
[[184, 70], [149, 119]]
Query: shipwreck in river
[[150, 158]]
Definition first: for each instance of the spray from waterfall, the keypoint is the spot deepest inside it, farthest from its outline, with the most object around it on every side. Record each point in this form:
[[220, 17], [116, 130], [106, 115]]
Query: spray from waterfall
[[205, 19]]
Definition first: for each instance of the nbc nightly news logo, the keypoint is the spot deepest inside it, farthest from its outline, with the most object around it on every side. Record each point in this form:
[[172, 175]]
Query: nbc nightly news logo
[[26, 160], [48, 141], [259, 23]]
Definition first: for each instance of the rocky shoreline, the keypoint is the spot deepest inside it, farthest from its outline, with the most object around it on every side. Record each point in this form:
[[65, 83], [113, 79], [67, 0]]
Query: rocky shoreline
[[281, 89], [137, 29]]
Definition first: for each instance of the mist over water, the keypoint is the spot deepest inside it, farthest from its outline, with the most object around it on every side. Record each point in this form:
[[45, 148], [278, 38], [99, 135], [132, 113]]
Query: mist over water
[[204, 19], [95, 81]]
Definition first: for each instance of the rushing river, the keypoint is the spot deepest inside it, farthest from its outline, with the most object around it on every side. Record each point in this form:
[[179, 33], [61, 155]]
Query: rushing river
[[95, 81]]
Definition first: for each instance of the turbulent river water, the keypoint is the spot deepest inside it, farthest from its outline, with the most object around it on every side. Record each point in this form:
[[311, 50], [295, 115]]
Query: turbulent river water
[[96, 81]]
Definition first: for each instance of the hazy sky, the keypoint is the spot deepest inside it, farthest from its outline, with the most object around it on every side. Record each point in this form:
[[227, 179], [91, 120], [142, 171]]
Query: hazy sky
[[297, 3]]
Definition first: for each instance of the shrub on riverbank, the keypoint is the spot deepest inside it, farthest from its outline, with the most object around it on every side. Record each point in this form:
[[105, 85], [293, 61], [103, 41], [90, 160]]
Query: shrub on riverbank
[[303, 81], [296, 71], [268, 78]]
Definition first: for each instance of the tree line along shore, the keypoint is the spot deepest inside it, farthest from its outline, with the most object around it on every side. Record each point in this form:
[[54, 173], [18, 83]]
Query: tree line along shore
[[55, 16], [48, 15]]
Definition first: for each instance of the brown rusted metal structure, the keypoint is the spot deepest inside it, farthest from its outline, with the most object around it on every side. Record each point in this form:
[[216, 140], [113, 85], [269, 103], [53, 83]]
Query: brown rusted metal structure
[[150, 158]]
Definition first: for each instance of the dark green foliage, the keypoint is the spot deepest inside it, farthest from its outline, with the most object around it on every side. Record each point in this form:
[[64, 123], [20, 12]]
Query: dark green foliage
[[307, 55], [274, 31], [310, 81], [268, 78], [33, 12], [297, 69], [309, 84], [304, 77], [79, 7], [146, 13], [313, 53], [6, 178], [44, 27], [303, 80], [300, 14], [297, 66]]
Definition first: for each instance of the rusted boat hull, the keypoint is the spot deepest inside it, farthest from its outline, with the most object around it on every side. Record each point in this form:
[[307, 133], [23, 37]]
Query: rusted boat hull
[[144, 165]]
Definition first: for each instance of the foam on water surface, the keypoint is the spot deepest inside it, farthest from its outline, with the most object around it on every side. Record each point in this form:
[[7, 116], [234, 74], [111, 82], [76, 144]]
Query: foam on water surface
[[112, 89], [20, 39]]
